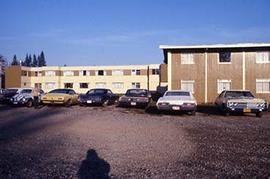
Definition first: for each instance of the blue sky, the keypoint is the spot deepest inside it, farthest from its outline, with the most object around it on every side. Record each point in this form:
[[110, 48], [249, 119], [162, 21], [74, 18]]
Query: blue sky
[[110, 32]]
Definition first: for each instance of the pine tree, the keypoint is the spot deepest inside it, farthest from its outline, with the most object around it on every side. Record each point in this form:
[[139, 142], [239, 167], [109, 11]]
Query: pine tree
[[41, 60], [14, 61], [27, 61], [35, 62]]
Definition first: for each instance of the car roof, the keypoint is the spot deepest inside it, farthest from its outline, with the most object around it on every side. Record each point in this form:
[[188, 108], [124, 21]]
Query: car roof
[[137, 89], [177, 91], [237, 90]]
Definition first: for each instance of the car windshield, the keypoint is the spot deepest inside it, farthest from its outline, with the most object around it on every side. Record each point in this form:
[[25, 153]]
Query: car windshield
[[26, 91], [11, 91], [177, 93], [64, 91], [137, 92], [97, 91], [238, 94]]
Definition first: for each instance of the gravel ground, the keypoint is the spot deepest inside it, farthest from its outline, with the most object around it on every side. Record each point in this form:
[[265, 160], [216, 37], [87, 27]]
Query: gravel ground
[[110, 142]]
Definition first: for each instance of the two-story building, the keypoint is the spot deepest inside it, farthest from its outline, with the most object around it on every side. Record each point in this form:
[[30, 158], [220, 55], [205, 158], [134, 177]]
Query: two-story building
[[82, 78], [206, 70]]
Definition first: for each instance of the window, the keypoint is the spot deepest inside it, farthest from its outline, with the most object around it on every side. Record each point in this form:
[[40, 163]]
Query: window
[[83, 85], [84, 73], [262, 57], [223, 85], [118, 85], [187, 58], [100, 85], [24, 73], [38, 73], [117, 73], [225, 57], [68, 85], [263, 85], [49, 73], [155, 71], [68, 73], [100, 73], [187, 85], [50, 85], [135, 72], [135, 85]]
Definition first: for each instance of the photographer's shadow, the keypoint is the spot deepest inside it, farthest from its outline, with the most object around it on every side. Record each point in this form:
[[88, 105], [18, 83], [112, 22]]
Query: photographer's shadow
[[94, 167]]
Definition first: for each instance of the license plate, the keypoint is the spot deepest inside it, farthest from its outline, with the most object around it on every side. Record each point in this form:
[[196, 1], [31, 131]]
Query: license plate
[[15, 102], [247, 110], [133, 103], [89, 101], [176, 107]]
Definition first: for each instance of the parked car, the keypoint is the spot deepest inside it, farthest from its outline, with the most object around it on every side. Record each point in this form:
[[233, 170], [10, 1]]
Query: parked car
[[177, 100], [24, 97], [60, 96], [98, 96], [135, 98], [240, 101], [8, 94]]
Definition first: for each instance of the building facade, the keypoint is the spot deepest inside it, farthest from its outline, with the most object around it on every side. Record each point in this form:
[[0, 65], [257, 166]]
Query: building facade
[[3, 65], [206, 70], [83, 78]]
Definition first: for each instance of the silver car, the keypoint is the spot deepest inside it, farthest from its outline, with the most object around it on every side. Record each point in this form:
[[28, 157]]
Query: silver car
[[240, 101], [24, 97], [177, 100]]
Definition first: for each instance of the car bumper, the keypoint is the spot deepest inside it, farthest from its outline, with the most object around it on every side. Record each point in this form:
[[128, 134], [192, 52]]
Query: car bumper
[[171, 107], [133, 104], [246, 110], [52, 102]]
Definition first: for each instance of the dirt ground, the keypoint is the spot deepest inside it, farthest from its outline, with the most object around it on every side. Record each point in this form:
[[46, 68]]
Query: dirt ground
[[110, 142]]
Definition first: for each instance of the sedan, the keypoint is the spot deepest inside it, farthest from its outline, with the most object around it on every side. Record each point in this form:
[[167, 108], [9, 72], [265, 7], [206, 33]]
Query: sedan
[[177, 100], [98, 96], [135, 98]]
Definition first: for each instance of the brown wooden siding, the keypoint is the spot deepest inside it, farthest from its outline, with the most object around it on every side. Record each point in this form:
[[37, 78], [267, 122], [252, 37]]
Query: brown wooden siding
[[13, 76], [143, 72], [76, 73], [109, 72], [92, 73], [127, 72], [256, 71], [189, 72], [218, 71], [163, 76]]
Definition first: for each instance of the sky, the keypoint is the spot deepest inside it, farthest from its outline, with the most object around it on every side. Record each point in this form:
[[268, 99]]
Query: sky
[[119, 32]]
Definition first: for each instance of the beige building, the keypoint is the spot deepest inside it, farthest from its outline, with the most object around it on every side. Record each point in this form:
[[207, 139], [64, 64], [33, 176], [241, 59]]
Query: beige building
[[83, 78], [206, 70]]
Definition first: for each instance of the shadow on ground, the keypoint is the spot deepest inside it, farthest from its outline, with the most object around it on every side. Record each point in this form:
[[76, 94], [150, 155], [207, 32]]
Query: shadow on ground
[[94, 167]]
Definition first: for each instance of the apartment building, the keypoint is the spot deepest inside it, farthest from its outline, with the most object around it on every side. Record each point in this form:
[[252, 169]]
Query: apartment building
[[3, 65], [83, 78], [206, 70]]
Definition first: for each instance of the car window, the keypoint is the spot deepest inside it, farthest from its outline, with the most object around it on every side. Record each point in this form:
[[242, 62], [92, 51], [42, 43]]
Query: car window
[[71, 92], [137, 92], [11, 90], [97, 91], [177, 93], [238, 94], [109, 92], [64, 91], [26, 91], [221, 94]]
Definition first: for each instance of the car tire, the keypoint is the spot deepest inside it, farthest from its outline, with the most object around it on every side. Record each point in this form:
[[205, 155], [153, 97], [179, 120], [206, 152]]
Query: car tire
[[29, 103], [259, 114], [68, 103], [106, 103]]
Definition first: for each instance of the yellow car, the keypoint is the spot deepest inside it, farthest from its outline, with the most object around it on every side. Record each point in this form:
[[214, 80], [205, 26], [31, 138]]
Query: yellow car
[[66, 97]]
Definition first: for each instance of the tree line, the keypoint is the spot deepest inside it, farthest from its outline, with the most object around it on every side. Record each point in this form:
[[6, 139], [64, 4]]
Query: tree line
[[29, 61]]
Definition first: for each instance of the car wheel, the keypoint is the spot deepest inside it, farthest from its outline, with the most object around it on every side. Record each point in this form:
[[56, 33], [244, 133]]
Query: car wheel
[[68, 103], [106, 102], [29, 103], [259, 114]]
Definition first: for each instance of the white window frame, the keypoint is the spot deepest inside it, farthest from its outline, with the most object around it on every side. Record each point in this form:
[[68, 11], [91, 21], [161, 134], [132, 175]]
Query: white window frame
[[262, 57], [219, 82], [118, 85], [100, 84], [50, 73], [185, 82], [224, 63], [187, 58], [265, 84], [134, 72], [117, 72], [68, 73], [135, 85]]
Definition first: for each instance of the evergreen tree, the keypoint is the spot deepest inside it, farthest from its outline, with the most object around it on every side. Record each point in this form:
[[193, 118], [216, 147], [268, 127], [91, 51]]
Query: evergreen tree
[[41, 60], [27, 61], [35, 62], [14, 61]]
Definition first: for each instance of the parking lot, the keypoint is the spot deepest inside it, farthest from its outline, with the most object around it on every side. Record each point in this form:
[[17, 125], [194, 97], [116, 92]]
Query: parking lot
[[110, 142]]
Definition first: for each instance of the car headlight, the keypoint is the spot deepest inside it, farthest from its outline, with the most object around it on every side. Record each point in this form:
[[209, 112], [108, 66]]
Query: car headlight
[[23, 99], [260, 105], [232, 104]]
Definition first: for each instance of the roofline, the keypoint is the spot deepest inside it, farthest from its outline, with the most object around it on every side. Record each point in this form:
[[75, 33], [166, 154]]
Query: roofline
[[214, 46]]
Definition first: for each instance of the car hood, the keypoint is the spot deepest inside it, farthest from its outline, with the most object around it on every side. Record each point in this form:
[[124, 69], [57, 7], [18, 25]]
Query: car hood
[[23, 95], [56, 95], [177, 99], [246, 100]]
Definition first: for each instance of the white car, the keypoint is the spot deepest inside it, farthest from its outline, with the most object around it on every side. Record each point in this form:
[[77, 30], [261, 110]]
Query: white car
[[24, 96], [177, 100]]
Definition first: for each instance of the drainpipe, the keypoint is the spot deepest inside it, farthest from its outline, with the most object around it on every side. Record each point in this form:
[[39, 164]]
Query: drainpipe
[[148, 73]]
